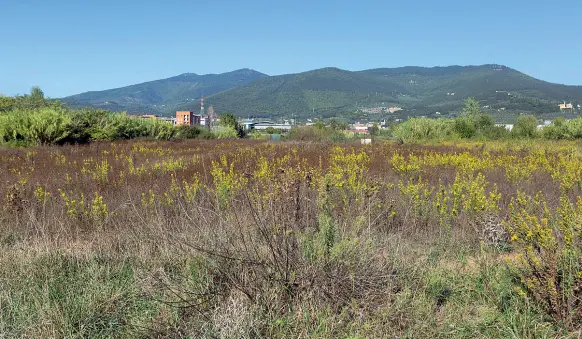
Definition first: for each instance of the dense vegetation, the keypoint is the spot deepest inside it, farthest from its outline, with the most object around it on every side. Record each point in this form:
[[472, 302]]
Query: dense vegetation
[[525, 127], [33, 120], [237, 239], [163, 96]]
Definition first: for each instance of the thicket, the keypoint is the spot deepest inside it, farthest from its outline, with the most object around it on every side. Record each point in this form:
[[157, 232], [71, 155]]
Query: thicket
[[34, 120], [332, 131], [194, 132], [49, 125], [473, 124]]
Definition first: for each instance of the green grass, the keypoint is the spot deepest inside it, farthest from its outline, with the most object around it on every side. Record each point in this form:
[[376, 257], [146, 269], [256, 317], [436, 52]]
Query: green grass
[[65, 295], [444, 291]]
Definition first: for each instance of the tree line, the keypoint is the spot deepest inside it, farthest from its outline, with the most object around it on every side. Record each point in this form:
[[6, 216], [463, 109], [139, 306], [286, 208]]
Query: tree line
[[32, 119], [473, 124]]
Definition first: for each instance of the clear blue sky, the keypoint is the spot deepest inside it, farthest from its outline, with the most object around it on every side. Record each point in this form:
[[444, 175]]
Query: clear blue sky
[[69, 46]]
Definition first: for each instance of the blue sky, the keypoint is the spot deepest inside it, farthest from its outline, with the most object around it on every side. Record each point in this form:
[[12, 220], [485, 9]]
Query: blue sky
[[69, 46]]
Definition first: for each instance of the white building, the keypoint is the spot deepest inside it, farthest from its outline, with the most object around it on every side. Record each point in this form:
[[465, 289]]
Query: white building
[[263, 125], [508, 127]]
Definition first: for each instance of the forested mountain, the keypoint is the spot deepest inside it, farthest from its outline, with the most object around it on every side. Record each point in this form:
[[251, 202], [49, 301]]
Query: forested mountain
[[419, 90], [164, 95], [331, 92]]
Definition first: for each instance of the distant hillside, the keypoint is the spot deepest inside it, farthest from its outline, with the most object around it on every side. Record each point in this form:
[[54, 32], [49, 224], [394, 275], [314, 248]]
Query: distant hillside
[[420, 91], [332, 92], [164, 95]]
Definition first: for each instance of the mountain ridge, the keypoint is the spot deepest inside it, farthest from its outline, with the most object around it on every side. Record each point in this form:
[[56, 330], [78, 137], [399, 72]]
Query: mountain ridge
[[160, 96], [332, 91]]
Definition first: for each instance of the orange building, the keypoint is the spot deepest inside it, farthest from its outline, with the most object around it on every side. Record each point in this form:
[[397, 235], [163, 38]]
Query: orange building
[[187, 118], [566, 106]]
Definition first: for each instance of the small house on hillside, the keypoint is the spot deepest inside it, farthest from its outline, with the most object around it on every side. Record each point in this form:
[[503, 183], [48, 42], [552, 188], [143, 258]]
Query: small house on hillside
[[566, 106]]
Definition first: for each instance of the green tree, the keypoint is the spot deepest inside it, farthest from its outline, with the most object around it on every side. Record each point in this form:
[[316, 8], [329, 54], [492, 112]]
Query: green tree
[[337, 125], [189, 132], [374, 130], [465, 127], [36, 94], [225, 132], [230, 120], [472, 108], [35, 100], [556, 130], [6, 103], [474, 123], [319, 125], [525, 126], [483, 122]]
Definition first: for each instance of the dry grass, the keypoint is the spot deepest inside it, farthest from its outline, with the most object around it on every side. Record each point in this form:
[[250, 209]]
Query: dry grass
[[295, 248]]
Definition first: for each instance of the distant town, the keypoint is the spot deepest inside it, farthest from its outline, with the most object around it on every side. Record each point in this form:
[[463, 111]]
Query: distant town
[[208, 118]]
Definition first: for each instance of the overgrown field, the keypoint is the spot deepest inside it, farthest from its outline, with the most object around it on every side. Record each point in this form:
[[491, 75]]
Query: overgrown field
[[251, 239]]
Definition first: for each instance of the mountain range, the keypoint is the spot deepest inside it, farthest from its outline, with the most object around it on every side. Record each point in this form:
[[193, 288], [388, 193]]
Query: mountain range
[[332, 92], [165, 95]]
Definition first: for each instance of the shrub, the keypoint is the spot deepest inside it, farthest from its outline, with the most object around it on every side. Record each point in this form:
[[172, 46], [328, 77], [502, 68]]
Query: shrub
[[57, 126], [317, 133], [43, 126], [549, 264], [193, 132], [120, 126], [229, 120], [574, 128], [223, 132], [160, 130], [556, 130], [525, 126], [494, 132], [419, 129], [465, 128]]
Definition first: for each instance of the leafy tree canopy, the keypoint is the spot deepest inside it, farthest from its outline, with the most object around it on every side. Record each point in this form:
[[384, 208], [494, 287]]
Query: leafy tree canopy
[[230, 120]]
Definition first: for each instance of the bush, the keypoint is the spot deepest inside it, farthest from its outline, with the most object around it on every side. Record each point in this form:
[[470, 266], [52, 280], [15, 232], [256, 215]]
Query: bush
[[478, 125], [57, 126], [193, 132], [556, 130], [465, 128], [525, 127], [160, 130], [549, 264], [271, 130], [120, 126], [223, 132], [420, 129], [316, 133], [229, 120], [43, 126], [574, 128]]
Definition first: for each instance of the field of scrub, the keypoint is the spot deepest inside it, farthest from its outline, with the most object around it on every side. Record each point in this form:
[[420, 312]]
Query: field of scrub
[[235, 239]]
